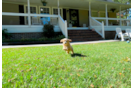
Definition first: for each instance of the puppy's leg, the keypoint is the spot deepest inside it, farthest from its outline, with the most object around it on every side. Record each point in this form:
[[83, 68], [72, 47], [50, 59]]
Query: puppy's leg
[[67, 52], [72, 51]]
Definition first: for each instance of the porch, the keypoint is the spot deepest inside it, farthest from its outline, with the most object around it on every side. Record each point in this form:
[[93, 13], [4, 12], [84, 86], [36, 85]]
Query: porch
[[26, 16]]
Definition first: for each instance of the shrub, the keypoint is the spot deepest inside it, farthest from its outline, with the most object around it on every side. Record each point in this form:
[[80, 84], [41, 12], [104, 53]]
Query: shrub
[[5, 34], [48, 30], [43, 39], [32, 39], [59, 37], [58, 34]]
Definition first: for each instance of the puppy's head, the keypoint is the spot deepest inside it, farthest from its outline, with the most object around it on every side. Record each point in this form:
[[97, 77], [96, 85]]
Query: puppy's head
[[66, 41]]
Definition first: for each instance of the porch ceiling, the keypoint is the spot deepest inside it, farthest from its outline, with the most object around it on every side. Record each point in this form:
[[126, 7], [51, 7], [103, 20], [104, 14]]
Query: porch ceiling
[[75, 4]]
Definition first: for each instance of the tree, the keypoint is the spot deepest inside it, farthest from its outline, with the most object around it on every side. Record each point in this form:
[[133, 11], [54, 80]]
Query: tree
[[123, 1], [125, 14]]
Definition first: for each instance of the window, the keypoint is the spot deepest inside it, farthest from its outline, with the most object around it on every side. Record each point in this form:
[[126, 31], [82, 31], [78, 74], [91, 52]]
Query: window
[[44, 10], [32, 9], [55, 11]]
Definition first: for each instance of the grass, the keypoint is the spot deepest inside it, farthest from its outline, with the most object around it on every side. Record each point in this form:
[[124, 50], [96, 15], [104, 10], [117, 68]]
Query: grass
[[103, 65]]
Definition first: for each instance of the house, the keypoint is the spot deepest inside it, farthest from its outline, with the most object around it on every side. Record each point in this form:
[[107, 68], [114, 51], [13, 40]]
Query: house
[[25, 18]]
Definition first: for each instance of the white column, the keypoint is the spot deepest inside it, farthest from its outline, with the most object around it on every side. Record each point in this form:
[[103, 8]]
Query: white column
[[120, 16], [89, 14], [58, 8], [103, 31], [106, 15], [126, 16], [29, 18], [66, 31]]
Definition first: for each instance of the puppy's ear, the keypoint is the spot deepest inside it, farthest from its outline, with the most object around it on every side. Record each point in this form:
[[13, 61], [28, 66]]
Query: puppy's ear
[[61, 40], [70, 40]]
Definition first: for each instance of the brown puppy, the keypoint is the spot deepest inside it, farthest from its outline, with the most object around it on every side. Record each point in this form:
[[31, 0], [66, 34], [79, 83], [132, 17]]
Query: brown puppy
[[66, 45]]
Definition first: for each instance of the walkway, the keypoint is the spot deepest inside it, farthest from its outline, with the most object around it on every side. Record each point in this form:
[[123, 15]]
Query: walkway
[[72, 43]]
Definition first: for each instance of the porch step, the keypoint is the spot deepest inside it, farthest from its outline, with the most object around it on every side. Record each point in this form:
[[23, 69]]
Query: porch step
[[83, 35]]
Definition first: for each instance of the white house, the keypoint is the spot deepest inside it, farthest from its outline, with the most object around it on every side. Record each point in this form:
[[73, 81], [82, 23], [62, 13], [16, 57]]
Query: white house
[[28, 16]]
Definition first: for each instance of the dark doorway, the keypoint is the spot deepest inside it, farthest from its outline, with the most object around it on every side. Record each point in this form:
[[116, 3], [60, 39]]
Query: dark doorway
[[21, 18], [64, 14], [74, 17]]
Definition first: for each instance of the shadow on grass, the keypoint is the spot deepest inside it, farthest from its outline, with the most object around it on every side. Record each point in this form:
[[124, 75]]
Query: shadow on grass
[[77, 55]]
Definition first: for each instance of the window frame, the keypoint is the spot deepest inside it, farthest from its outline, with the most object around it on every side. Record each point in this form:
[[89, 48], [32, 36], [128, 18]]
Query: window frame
[[61, 9], [30, 12]]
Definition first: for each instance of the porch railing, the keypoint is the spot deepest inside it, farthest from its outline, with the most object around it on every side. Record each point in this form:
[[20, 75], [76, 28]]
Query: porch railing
[[36, 19], [114, 21], [97, 26], [63, 26]]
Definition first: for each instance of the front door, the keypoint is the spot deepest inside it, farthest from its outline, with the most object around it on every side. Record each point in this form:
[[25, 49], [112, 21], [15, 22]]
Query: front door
[[74, 17]]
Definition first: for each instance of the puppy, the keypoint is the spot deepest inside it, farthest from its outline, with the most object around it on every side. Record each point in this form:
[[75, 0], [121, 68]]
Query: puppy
[[66, 45]]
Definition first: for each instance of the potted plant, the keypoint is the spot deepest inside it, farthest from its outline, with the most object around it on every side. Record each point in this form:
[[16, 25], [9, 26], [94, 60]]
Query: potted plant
[[44, 2]]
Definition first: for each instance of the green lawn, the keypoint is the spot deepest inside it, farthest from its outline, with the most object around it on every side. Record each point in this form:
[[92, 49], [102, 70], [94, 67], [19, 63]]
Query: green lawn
[[102, 65]]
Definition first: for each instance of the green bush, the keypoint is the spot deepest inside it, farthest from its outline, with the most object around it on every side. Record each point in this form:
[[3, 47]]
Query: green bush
[[5, 34], [43, 39], [48, 30], [33, 39], [59, 37], [58, 34]]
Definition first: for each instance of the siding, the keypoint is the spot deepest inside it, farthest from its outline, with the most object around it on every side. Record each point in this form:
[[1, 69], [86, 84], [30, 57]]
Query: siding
[[112, 15], [83, 17], [8, 20]]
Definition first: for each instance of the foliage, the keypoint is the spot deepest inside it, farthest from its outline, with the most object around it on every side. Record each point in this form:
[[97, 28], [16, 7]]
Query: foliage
[[105, 65], [5, 34], [58, 34], [43, 1], [72, 22], [48, 30], [58, 37], [122, 1], [125, 13], [31, 40]]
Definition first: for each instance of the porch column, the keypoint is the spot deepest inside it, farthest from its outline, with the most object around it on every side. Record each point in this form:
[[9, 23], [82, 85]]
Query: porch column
[[89, 14], [127, 17], [29, 18], [120, 16], [58, 8], [106, 15]]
